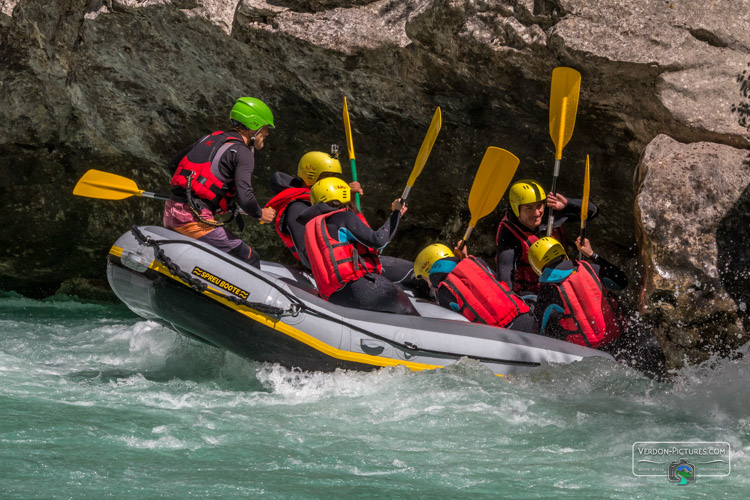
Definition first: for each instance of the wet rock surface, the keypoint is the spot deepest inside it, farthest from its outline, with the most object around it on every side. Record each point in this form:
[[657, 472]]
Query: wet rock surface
[[693, 225], [121, 85]]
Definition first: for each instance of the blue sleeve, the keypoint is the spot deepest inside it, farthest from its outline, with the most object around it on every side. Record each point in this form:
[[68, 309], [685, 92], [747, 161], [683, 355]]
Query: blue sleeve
[[350, 227]]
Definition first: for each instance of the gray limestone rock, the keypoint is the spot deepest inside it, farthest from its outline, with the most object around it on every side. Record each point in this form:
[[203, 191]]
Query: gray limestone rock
[[693, 226]]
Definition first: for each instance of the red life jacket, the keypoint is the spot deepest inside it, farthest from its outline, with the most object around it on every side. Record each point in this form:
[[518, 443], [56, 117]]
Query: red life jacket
[[334, 263], [480, 296], [202, 162], [591, 312], [525, 279], [279, 203]]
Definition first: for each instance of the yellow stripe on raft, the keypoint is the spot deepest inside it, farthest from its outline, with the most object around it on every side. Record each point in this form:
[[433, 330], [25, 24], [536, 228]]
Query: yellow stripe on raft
[[293, 332]]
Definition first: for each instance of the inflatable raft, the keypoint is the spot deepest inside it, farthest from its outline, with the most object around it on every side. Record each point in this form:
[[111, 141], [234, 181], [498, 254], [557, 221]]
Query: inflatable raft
[[275, 315]]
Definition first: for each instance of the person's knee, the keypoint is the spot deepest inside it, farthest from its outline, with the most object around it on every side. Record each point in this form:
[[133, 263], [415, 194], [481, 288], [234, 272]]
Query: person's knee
[[247, 254]]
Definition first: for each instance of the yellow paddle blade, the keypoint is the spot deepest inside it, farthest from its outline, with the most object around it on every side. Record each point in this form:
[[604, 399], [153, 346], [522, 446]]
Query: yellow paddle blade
[[348, 130], [563, 106], [424, 151], [492, 180], [106, 186], [585, 204]]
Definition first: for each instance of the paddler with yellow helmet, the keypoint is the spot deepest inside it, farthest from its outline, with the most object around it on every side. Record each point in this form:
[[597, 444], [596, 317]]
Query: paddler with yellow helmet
[[575, 302], [523, 224], [467, 285], [343, 250], [293, 197]]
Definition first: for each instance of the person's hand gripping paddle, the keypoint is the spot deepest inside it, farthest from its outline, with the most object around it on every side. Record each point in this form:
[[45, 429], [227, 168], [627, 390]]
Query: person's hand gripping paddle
[[424, 152], [563, 106], [490, 184], [350, 148]]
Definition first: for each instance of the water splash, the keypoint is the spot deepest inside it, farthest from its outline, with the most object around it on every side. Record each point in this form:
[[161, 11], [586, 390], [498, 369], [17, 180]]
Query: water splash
[[96, 403]]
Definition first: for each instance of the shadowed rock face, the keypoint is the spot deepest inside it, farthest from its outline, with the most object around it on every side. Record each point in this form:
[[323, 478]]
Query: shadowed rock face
[[122, 85]]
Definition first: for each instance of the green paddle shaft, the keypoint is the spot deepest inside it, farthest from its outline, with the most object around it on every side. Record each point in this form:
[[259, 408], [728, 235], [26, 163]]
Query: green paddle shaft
[[354, 178], [350, 148]]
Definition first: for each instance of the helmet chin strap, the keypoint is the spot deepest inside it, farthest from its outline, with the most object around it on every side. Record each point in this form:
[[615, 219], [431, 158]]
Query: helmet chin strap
[[252, 139]]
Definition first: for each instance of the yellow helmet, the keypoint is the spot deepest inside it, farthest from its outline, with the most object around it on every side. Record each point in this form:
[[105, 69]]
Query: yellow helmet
[[543, 251], [314, 163], [525, 191], [329, 189], [428, 256]]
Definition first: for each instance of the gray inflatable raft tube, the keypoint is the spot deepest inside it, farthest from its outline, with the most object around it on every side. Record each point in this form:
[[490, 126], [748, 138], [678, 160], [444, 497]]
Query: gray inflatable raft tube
[[275, 315]]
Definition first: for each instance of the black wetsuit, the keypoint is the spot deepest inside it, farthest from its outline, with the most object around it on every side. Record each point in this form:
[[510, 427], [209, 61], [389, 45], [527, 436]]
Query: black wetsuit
[[372, 291]]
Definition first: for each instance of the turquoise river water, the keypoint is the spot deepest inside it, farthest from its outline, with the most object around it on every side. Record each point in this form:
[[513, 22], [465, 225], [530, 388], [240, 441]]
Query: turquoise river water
[[96, 403]]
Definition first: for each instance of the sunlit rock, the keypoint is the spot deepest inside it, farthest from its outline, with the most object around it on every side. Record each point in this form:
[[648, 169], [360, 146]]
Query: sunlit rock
[[693, 228]]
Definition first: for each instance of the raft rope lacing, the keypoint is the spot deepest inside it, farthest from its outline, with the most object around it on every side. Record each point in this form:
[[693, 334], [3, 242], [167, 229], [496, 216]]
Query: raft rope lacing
[[200, 286], [296, 305]]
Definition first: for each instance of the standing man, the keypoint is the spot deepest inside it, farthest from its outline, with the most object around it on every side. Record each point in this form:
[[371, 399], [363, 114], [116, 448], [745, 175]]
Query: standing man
[[214, 176]]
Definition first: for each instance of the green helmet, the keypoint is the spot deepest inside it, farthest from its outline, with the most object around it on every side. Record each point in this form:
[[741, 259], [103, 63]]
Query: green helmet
[[252, 113]]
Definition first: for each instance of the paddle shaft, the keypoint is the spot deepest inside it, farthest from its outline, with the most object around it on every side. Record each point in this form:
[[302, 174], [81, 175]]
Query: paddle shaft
[[350, 148], [583, 235], [466, 237], [354, 178], [156, 196], [558, 157], [551, 218]]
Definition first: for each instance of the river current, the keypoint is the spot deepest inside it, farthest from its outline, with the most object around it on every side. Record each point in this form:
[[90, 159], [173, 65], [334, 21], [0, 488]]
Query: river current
[[97, 403]]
